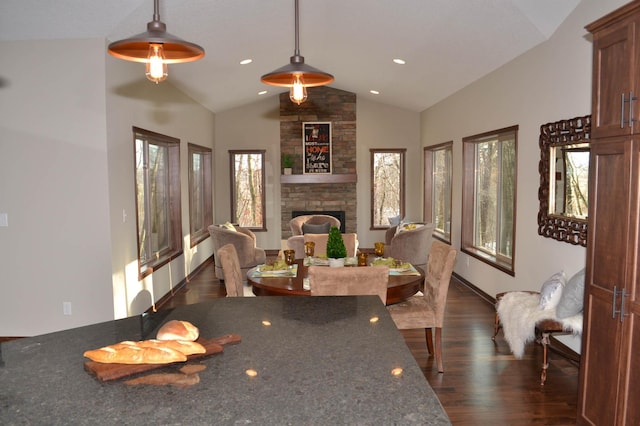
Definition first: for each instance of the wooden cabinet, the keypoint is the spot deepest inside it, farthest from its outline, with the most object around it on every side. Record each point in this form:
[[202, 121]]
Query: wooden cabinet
[[610, 361], [616, 74]]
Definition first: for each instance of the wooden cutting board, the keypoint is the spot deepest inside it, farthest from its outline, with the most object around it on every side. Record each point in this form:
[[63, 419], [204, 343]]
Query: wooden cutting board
[[107, 372]]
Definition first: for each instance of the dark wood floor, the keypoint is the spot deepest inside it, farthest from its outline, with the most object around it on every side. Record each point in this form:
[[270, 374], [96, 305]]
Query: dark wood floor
[[482, 384]]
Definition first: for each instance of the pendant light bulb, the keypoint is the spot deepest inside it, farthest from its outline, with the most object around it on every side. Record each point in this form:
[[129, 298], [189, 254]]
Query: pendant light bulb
[[156, 69], [298, 91]]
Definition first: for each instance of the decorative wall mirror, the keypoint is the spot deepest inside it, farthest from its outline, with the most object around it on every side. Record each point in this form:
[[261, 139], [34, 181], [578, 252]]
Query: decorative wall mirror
[[564, 177]]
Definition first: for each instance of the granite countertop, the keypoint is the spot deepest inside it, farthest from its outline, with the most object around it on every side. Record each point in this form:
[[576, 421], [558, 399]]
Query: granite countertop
[[320, 361]]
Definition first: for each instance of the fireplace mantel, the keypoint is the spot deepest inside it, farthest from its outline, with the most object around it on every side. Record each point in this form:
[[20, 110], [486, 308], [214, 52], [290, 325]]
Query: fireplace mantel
[[320, 178]]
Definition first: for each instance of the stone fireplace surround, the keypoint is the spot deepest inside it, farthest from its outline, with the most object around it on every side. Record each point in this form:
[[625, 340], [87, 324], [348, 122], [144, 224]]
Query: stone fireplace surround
[[339, 108]]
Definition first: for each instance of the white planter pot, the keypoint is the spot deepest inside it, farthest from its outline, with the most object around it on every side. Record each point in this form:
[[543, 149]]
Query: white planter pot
[[336, 263], [287, 171]]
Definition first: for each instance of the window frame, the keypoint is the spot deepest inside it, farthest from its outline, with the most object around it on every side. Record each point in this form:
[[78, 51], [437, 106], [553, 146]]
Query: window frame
[[469, 196], [160, 258], [232, 181], [429, 195], [198, 235], [373, 152]]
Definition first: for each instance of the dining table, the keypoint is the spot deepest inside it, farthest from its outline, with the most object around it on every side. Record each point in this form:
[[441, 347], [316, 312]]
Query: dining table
[[402, 284]]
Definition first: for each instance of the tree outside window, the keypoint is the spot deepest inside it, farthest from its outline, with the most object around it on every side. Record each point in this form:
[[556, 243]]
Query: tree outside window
[[489, 197], [437, 187], [157, 169], [247, 188], [387, 186], [200, 201]]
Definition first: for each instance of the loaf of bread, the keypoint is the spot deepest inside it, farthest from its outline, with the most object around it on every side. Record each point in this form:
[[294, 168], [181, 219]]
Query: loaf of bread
[[178, 330], [146, 352], [187, 347], [124, 353]]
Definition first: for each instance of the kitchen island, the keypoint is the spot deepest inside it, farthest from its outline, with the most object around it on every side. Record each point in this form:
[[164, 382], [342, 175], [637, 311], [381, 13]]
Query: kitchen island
[[317, 360]]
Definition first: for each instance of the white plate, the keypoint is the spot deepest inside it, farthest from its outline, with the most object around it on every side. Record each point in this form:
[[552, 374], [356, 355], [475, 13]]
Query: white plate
[[276, 272], [400, 269]]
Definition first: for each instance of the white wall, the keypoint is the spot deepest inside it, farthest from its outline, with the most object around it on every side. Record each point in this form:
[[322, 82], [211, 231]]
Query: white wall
[[549, 83], [132, 100], [53, 181], [66, 176]]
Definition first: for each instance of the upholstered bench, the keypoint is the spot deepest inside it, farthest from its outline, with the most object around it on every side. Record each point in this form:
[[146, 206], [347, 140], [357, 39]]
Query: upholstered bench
[[543, 329]]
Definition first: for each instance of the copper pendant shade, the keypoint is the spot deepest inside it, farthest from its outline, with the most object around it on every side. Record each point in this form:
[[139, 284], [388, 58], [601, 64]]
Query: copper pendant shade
[[136, 48], [296, 69]]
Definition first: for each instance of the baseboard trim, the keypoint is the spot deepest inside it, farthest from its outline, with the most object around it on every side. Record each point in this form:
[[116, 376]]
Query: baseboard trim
[[164, 299]]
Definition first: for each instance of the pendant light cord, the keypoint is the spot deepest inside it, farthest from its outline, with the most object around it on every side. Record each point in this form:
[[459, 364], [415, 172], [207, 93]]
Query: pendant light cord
[[156, 12], [296, 52]]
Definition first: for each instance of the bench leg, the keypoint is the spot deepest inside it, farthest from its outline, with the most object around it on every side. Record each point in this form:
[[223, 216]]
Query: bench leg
[[544, 341], [496, 326]]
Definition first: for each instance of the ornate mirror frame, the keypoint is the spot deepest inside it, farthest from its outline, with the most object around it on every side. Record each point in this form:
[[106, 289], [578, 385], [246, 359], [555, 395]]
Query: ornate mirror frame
[[562, 228]]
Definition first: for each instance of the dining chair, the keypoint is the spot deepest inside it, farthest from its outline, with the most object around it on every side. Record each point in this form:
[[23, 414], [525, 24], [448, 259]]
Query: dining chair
[[426, 309], [349, 281], [233, 282]]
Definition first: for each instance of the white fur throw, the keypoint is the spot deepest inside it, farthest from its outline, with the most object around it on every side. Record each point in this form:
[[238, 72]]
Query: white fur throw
[[519, 312]]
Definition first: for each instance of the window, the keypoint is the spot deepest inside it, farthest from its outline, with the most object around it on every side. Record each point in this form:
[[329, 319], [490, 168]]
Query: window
[[489, 197], [437, 189], [387, 186], [157, 167], [247, 189], [200, 202]]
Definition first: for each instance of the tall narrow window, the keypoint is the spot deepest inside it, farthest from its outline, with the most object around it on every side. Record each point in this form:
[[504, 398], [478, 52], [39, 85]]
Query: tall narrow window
[[157, 168], [387, 186], [489, 197], [247, 188], [200, 202], [437, 189]]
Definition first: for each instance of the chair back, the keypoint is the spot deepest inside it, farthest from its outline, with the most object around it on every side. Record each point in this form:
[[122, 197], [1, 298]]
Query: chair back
[[350, 242], [442, 258], [349, 281], [231, 270]]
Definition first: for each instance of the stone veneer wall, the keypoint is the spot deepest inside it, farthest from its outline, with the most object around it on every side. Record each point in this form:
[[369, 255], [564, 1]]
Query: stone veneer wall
[[339, 108]]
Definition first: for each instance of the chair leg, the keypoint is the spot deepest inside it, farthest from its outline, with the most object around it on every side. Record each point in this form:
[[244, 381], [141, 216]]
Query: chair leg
[[439, 349], [429, 336]]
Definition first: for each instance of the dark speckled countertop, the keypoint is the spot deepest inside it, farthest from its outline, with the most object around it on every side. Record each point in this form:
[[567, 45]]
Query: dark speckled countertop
[[320, 361]]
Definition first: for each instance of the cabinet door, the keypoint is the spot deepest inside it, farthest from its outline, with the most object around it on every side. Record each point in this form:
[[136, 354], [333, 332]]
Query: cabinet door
[[609, 264], [615, 79]]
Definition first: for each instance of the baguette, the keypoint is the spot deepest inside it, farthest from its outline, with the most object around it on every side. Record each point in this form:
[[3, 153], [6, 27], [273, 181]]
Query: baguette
[[184, 346], [127, 353], [178, 330]]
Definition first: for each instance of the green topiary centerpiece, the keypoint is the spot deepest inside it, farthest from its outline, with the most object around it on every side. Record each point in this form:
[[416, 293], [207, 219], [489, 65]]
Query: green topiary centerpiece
[[335, 244]]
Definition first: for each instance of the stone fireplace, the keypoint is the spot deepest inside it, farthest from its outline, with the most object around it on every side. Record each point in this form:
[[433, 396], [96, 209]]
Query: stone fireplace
[[320, 193]]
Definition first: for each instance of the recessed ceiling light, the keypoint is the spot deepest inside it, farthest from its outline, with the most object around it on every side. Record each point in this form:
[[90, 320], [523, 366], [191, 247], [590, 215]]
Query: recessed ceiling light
[[375, 92], [262, 92], [246, 61], [399, 61]]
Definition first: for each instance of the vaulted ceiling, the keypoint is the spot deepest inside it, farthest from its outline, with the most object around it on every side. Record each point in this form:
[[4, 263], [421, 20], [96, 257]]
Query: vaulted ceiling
[[447, 44]]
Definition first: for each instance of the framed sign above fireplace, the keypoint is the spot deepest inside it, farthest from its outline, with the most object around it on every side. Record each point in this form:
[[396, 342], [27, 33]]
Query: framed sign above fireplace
[[316, 148]]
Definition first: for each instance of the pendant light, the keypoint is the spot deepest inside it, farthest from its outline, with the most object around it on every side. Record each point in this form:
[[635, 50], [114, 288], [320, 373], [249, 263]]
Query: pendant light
[[296, 74], [156, 48]]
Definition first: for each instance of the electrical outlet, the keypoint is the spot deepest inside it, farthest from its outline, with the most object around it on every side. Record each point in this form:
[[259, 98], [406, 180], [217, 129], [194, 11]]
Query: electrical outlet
[[66, 308]]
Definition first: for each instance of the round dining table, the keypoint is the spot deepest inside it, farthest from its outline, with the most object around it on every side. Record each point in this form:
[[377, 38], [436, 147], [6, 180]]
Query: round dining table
[[399, 288]]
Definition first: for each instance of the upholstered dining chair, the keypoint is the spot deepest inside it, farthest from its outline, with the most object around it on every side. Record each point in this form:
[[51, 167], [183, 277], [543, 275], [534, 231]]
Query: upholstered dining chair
[[233, 281], [426, 309], [349, 281]]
